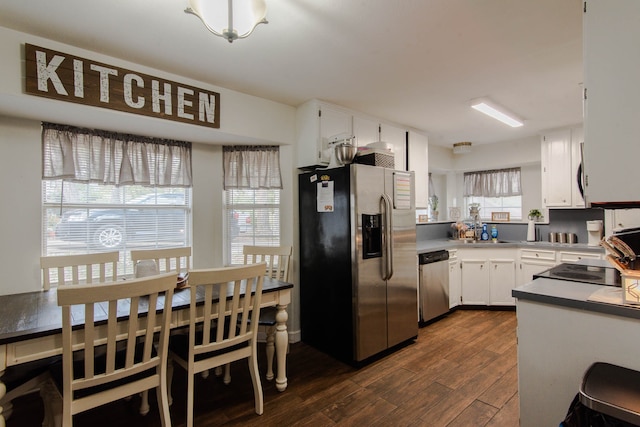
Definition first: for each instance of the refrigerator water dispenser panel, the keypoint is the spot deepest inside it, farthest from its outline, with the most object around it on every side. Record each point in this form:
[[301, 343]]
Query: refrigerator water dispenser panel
[[371, 236]]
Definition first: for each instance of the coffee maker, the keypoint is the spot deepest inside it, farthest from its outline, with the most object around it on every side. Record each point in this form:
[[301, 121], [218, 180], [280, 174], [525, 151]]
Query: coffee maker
[[594, 231]]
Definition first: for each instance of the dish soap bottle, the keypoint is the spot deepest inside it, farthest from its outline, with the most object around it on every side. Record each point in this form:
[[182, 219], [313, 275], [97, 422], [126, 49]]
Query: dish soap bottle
[[494, 233], [485, 234]]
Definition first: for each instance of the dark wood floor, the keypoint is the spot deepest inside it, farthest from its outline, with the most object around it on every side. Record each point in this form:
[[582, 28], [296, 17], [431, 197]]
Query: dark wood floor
[[460, 372]]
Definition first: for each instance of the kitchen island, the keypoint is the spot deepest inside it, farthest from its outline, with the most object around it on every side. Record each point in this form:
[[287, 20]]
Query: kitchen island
[[564, 327]]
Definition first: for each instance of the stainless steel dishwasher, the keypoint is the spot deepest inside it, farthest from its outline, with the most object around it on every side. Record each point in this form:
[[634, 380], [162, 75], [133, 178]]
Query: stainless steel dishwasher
[[434, 284]]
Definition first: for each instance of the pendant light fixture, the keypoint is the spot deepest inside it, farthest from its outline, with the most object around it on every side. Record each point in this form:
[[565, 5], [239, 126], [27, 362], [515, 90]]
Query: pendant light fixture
[[230, 19]]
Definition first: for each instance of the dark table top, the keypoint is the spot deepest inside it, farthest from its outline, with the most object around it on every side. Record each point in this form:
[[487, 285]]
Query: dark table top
[[35, 314]]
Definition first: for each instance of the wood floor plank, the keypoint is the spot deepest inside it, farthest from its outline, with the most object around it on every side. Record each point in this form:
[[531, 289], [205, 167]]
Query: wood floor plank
[[475, 415]]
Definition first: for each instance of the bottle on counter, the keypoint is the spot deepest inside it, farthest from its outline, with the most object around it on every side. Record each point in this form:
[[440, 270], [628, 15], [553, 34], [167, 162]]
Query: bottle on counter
[[485, 233], [494, 232]]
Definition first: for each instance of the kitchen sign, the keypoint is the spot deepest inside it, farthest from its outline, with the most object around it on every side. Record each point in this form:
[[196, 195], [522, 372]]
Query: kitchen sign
[[65, 77]]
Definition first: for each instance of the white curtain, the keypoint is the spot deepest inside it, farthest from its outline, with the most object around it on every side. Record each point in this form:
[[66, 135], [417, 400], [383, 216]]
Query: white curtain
[[252, 167], [87, 155], [493, 183]]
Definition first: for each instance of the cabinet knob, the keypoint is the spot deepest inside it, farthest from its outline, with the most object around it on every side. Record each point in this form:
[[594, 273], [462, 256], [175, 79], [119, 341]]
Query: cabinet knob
[[537, 255]]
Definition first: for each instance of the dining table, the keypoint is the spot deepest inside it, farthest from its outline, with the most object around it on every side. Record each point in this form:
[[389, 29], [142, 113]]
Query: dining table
[[31, 326]]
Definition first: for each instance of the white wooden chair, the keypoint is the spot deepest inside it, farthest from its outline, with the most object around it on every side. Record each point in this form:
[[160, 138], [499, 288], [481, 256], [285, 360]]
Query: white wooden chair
[[169, 259], [164, 260], [278, 262], [235, 335], [80, 268], [61, 270], [100, 377]]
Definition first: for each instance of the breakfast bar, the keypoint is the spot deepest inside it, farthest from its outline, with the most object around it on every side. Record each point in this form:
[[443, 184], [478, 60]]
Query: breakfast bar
[[563, 328]]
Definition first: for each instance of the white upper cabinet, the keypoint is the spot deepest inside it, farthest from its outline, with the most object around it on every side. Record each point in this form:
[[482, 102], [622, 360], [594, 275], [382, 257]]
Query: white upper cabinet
[[398, 138], [556, 169], [419, 163], [366, 130], [612, 112], [561, 159], [316, 122]]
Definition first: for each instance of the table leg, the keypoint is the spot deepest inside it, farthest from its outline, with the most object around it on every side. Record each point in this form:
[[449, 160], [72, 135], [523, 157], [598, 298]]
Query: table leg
[[3, 391], [3, 387], [282, 341]]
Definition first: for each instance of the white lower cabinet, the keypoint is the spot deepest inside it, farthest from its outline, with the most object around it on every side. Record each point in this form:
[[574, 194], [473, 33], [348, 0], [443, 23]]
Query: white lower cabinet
[[475, 281], [502, 279], [533, 261], [572, 256], [487, 276], [455, 285]]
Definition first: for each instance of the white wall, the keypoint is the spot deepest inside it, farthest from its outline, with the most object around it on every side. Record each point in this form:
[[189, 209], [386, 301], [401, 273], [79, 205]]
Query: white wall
[[243, 118], [20, 216]]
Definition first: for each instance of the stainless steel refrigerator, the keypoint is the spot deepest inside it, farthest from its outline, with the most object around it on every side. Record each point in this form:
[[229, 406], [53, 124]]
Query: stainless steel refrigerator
[[358, 261]]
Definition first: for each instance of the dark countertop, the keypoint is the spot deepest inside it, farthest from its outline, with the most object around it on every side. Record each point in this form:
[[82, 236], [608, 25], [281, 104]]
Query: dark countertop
[[436, 244], [583, 296]]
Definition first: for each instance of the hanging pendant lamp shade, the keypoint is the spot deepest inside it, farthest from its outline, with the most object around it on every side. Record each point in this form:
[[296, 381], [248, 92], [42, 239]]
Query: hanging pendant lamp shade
[[230, 19]]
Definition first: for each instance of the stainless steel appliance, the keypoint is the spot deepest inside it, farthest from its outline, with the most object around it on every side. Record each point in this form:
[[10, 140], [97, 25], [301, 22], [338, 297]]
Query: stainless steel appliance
[[358, 263], [434, 284]]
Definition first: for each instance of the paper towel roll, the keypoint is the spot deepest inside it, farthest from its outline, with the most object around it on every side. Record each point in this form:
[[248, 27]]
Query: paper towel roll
[[531, 231]]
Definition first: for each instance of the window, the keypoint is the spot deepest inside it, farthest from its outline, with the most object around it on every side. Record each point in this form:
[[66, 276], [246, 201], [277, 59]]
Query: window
[[512, 204], [252, 184], [83, 218], [495, 191], [103, 192], [252, 218]]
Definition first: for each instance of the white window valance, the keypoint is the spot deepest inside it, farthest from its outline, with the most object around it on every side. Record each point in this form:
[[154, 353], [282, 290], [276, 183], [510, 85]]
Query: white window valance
[[493, 183], [251, 167], [87, 155]]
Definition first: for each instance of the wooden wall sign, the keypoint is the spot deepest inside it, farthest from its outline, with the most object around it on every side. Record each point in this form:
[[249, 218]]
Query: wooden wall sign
[[70, 78]]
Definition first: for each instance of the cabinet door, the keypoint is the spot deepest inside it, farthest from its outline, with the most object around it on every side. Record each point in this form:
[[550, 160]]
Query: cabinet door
[[528, 268], [315, 123], [577, 140], [455, 287], [419, 163], [502, 279], [366, 130], [611, 111], [556, 169], [332, 122], [398, 138], [475, 282]]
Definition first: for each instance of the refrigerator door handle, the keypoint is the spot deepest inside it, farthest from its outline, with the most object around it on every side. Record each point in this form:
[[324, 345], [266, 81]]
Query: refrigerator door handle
[[385, 205]]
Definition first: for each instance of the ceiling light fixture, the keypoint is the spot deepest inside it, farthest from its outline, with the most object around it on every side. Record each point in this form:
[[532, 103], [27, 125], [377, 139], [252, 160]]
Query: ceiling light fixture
[[462, 147], [497, 112], [232, 19]]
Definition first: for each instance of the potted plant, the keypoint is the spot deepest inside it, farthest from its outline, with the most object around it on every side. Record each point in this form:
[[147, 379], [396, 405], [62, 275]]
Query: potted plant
[[535, 214]]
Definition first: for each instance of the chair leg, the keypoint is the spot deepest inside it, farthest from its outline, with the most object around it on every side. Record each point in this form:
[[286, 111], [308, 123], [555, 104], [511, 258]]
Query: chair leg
[[190, 385], [271, 349], [144, 404], [54, 407], [227, 374], [257, 384], [169, 381], [162, 393]]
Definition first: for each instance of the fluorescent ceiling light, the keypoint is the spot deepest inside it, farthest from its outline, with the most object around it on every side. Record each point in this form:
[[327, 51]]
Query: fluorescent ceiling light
[[497, 112]]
